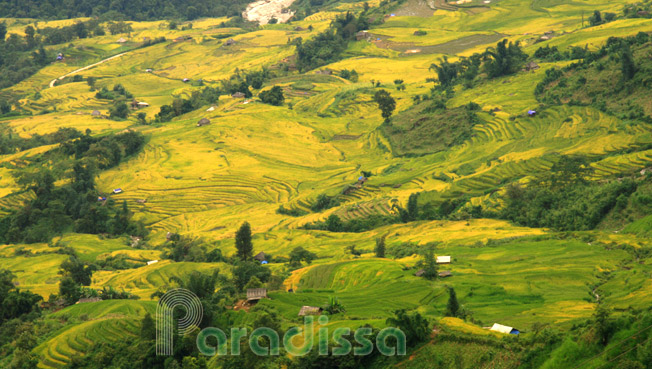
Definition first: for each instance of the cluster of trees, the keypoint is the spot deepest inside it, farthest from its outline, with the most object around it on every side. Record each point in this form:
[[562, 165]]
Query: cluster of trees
[[121, 10], [504, 59], [612, 79], [564, 199], [598, 18], [11, 142], [638, 10], [55, 208], [551, 54], [328, 46], [180, 106], [273, 96]]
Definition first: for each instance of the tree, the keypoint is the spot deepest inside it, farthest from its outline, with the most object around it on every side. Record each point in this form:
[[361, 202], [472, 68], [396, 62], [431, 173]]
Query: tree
[[446, 71], [120, 110], [628, 65], [351, 249], [380, 247], [91, 82], [386, 103], [430, 263], [142, 118], [412, 206], [334, 223], [148, 328], [453, 306], [299, 254], [243, 243], [415, 327], [245, 270], [273, 96], [596, 18], [79, 272], [69, 290], [254, 282], [604, 326]]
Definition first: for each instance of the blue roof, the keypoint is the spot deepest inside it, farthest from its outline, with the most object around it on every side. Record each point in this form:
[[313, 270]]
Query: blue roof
[[264, 262], [531, 112], [360, 178]]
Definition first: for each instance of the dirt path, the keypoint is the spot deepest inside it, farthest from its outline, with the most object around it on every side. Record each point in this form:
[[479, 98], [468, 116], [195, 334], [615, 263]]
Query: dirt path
[[84, 68], [264, 10]]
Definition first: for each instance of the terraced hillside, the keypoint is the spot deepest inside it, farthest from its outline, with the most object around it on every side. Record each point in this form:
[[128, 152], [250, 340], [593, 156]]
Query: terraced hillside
[[293, 172]]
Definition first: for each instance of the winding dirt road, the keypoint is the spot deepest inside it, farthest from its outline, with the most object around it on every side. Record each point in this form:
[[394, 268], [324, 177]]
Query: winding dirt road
[[84, 68]]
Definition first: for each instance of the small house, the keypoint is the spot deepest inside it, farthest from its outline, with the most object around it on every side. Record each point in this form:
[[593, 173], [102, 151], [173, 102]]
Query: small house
[[96, 113], [230, 42], [203, 122], [101, 198], [117, 191], [212, 108], [88, 299], [326, 72], [362, 35], [149, 70], [310, 310], [255, 294], [152, 262], [531, 66], [261, 256], [299, 28], [503, 329], [122, 40], [142, 104], [420, 273], [60, 56], [186, 80], [445, 273], [141, 201], [443, 259], [238, 95], [531, 113]]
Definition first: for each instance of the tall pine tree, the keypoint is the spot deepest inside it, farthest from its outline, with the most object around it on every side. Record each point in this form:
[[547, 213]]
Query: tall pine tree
[[243, 243]]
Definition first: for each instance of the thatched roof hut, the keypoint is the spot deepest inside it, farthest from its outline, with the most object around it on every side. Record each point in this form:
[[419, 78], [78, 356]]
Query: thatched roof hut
[[203, 122], [310, 310]]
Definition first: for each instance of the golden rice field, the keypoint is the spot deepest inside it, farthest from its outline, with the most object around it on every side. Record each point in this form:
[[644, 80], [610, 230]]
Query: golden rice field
[[253, 158]]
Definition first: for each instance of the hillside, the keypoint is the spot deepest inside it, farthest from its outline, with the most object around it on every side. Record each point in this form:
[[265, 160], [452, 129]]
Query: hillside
[[161, 145]]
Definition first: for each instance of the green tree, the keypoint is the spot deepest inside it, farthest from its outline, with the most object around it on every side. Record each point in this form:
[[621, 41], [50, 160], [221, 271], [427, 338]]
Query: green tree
[[245, 270], [69, 290], [148, 328], [299, 254], [77, 270], [244, 246], [119, 110], [430, 263], [453, 306], [254, 282], [628, 66], [273, 96], [334, 223], [596, 18], [386, 103], [412, 206], [415, 327], [380, 247]]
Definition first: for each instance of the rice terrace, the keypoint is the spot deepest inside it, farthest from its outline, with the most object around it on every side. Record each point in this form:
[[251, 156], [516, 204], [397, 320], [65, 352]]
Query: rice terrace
[[473, 175]]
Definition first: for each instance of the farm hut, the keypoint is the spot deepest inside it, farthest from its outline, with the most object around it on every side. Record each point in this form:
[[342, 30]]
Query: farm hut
[[261, 256], [544, 38], [141, 201], [96, 113], [531, 66], [264, 262], [117, 191], [255, 294], [142, 104], [362, 179], [531, 113], [362, 35], [186, 80], [101, 198], [238, 95], [503, 329], [310, 310], [299, 28], [152, 262], [203, 122], [443, 259], [60, 56], [212, 108], [230, 42], [149, 70], [445, 273], [122, 40], [326, 72], [88, 299], [420, 273]]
